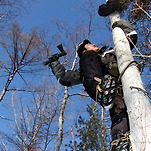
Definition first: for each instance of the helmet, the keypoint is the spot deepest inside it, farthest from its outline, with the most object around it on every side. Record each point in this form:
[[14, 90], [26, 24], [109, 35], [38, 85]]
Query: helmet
[[81, 47]]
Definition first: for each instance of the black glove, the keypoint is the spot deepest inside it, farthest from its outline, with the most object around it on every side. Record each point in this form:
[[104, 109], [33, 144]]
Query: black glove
[[54, 57], [51, 59]]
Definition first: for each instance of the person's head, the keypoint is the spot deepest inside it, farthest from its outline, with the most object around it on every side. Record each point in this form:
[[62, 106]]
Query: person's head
[[86, 46]]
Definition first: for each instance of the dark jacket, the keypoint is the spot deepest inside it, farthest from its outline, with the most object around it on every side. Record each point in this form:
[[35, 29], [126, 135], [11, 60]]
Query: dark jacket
[[66, 78], [91, 65]]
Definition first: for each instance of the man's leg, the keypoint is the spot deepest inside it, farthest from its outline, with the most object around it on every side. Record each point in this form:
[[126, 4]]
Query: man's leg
[[129, 31], [120, 125]]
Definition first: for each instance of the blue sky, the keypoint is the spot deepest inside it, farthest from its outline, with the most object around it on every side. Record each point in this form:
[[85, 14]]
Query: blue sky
[[45, 10], [71, 12], [41, 14]]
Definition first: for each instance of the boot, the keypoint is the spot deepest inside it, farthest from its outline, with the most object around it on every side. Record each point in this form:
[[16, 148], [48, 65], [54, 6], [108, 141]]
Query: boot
[[110, 7]]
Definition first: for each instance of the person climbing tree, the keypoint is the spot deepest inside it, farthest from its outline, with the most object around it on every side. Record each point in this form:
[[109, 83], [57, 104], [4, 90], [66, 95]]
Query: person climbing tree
[[135, 95], [99, 73]]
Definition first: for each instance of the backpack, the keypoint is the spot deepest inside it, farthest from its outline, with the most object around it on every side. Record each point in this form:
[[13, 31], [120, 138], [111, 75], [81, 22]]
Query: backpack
[[109, 62]]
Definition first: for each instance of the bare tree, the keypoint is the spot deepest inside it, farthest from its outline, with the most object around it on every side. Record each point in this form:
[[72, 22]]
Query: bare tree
[[34, 123], [23, 51], [10, 10]]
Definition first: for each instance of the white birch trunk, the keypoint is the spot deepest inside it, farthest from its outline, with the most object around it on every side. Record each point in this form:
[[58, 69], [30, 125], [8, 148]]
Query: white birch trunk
[[61, 121], [138, 105], [61, 114]]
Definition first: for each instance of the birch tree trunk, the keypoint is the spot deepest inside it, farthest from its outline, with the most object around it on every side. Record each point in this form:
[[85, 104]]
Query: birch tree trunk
[[61, 114], [138, 105], [61, 121]]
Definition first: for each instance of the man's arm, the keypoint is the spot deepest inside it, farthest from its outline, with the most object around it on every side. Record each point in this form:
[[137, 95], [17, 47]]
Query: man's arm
[[66, 78]]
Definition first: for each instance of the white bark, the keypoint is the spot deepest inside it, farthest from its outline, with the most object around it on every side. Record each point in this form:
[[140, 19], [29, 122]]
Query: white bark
[[138, 105], [61, 121], [61, 114]]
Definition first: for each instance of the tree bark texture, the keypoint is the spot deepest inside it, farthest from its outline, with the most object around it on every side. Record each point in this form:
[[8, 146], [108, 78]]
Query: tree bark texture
[[136, 100], [61, 121]]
